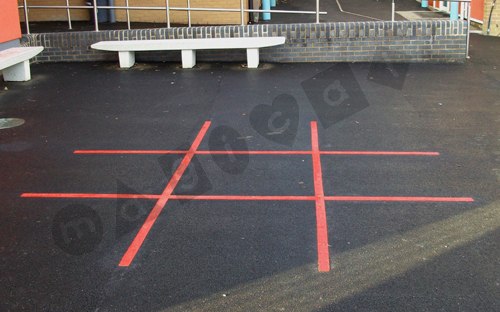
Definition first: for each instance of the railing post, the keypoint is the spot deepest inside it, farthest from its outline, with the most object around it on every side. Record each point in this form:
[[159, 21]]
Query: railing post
[[69, 14], [242, 13], [128, 14], [393, 12], [96, 21], [26, 20], [317, 11], [189, 12], [468, 29], [167, 5]]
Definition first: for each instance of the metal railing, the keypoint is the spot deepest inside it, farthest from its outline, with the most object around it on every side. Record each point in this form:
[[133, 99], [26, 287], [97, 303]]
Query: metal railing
[[465, 6], [167, 8], [462, 16]]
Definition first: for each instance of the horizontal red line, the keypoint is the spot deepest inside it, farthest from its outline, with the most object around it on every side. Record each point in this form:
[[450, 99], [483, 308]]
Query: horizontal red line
[[163, 152], [133, 152], [399, 199], [252, 197], [178, 197], [382, 153], [89, 195], [243, 197], [253, 152]]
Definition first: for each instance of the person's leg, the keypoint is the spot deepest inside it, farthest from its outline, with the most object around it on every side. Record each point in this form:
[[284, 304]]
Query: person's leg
[[256, 6], [90, 4]]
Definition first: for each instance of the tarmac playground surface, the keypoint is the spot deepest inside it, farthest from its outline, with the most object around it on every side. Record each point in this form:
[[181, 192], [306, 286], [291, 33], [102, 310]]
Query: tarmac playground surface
[[293, 187]]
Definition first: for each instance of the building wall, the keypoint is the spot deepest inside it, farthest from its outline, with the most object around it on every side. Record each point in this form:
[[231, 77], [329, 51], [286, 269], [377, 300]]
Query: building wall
[[40, 15], [495, 18], [181, 17], [402, 41], [9, 22], [477, 8]]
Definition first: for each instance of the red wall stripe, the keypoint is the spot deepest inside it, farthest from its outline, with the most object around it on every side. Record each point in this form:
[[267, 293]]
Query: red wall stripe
[[10, 27]]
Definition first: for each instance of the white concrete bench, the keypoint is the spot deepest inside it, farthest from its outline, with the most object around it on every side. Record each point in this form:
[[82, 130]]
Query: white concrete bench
[[15, 63], [126, 49]]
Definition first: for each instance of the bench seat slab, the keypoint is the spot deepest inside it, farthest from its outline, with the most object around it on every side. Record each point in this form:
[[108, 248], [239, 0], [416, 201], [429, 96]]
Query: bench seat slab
[[127, 48], [15, 64]]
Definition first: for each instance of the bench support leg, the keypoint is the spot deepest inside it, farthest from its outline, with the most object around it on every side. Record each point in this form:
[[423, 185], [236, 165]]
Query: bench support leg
[[18, 72], [188, 58], [127, 59], [253, 58]]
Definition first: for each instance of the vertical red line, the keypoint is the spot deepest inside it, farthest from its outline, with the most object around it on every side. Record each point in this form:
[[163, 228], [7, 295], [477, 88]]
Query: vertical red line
[[321, 225], [136, 244]]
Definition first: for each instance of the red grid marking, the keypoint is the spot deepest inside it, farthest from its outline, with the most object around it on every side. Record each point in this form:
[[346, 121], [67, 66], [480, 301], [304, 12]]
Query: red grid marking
[[428, 199], [319, 197], [132, 250], [166, 152], [321, 226]]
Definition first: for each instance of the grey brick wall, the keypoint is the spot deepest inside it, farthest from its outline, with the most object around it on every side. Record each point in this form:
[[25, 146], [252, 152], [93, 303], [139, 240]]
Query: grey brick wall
[[402, 41]]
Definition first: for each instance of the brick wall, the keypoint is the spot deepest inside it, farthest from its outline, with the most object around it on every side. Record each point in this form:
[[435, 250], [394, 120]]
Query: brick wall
[[405, 41], [495, 18], [40, 15], [181, 17]]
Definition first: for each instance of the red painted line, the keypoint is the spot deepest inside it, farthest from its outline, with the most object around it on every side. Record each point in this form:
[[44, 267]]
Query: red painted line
[[164, 152], [321, 225], [252, 197], [136, 244], [161, 152], [243, 197], [381, 153], [253, 152], [173, 197], [86, 195], [125, 152], [399, 199]]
